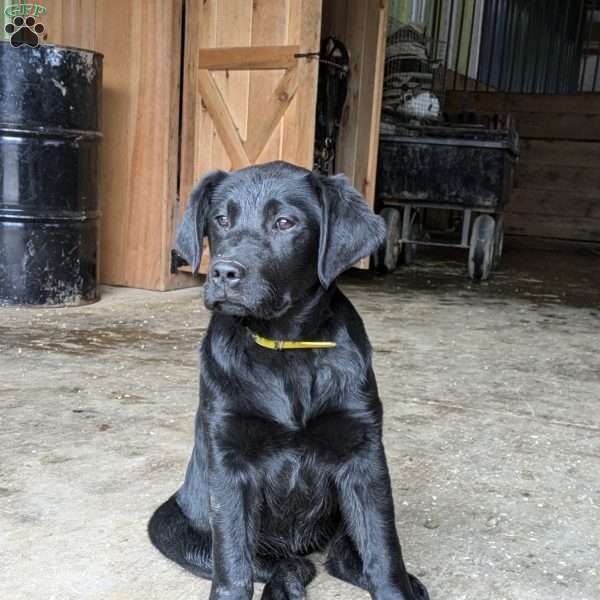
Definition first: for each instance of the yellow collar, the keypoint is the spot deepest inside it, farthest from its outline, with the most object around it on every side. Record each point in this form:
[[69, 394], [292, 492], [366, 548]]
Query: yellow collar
[[288, 345]]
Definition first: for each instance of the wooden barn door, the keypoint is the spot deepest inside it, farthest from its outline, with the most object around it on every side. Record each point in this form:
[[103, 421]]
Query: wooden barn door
[[247, 97]]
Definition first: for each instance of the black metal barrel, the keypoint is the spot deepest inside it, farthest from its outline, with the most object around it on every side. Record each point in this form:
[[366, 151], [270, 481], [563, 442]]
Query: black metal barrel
[[49, 137]]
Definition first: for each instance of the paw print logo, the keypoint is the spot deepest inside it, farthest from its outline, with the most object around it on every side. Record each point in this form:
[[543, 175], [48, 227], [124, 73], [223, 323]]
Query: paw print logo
[[24, 32]]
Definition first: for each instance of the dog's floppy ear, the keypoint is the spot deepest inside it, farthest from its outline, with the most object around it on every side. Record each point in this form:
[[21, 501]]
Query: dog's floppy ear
[[192, 229], [349, 228]]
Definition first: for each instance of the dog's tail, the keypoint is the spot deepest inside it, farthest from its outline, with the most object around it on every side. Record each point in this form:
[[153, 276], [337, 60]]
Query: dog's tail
[[170, 531]]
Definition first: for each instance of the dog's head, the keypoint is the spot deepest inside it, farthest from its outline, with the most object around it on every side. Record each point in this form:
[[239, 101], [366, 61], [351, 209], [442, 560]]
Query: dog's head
[[274, 231]]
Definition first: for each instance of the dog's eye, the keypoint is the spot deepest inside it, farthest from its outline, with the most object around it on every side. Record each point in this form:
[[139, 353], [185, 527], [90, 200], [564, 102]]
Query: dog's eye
[[223, 221], [282, 224]]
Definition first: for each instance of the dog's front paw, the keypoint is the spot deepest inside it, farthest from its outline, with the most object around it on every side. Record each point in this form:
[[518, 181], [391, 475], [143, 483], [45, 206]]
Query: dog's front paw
[[419, 592], [289, 591], [231, 593]]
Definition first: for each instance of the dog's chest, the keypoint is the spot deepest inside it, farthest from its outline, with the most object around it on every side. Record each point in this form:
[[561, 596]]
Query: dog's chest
[[299, 388], [272, 446], [297, 406]]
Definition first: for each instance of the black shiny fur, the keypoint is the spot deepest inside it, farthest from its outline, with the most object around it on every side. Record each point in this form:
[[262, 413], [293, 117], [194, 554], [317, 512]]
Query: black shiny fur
[[288, 457]]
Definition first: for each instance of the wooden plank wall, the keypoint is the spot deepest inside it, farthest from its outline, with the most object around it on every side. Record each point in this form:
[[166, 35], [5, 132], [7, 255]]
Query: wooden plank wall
[[557, 183], [70, 22], [362, 26], [138, 159]]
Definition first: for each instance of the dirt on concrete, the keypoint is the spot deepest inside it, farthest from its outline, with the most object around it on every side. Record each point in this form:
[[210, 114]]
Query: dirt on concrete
[[492, 430]]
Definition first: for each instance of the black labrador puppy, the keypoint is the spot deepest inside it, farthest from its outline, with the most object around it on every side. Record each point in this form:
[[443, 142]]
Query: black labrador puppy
[[288, 457]]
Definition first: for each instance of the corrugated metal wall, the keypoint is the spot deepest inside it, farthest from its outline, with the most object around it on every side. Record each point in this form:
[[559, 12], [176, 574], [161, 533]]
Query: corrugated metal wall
[[531, 46], [521, 46]]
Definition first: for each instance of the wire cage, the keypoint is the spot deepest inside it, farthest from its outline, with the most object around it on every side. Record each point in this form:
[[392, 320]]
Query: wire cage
[[411, 73]]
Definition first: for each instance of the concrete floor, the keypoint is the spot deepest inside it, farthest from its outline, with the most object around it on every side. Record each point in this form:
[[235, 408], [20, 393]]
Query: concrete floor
[[492, 397]]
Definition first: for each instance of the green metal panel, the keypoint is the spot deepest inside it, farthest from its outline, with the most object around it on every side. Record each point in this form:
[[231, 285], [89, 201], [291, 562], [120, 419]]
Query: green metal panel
[[467, 24], [401, 9]]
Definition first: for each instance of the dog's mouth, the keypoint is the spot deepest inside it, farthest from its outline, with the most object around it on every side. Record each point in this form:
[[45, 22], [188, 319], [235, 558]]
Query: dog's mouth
[[228, 307]]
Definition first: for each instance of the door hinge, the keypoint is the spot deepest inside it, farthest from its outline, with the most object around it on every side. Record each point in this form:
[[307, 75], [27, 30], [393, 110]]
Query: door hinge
[[176, 261]]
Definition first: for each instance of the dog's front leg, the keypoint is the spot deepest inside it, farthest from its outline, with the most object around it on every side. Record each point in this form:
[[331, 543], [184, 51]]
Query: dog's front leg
[[365, 499], [231, 519]]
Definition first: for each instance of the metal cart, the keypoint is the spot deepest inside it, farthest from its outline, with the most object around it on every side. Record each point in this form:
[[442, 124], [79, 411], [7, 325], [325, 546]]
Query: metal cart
[[463, 169]]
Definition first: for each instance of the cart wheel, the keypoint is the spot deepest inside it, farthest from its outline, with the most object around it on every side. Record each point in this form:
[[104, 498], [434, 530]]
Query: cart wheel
[[386, 259], [498, 240], [409, 251], [481, 250]]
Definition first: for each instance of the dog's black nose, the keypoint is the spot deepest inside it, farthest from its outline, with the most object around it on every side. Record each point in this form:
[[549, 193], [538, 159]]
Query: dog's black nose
[[227, 272]]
